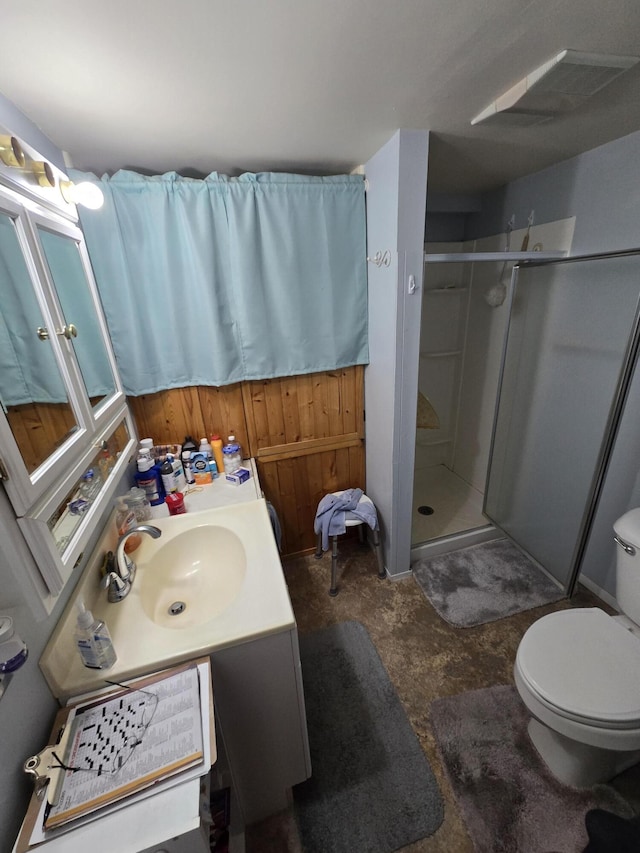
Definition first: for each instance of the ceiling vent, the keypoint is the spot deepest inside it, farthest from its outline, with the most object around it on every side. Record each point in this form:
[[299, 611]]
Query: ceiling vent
[[558, 86]]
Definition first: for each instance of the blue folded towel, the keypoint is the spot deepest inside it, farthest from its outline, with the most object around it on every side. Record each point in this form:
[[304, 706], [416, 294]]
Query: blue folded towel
[[332, 513]]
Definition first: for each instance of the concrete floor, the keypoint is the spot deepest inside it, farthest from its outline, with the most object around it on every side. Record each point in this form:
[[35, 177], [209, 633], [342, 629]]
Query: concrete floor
[[426, 659]]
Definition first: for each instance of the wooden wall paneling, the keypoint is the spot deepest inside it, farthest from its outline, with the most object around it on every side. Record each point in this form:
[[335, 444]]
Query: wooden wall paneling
[[223, 411], [289, 487], [275, 412], [334, 403], [290, 409], [253, 394], [305, 406], [167, 416], [39, 428], [320, 406]]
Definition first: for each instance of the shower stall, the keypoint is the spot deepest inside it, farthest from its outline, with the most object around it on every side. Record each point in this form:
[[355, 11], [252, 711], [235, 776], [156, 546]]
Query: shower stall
[[519, 400]]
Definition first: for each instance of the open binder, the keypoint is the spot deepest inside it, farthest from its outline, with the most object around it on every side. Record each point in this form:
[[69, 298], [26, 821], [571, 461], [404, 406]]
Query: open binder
[[107, 750]]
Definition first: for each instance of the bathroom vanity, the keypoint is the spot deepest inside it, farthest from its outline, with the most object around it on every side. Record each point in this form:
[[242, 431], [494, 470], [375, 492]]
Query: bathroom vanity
[[226, 557]]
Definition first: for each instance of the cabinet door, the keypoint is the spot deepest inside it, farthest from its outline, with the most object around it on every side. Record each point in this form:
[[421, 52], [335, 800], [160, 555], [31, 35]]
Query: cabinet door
[[58, 381], [42, 420]]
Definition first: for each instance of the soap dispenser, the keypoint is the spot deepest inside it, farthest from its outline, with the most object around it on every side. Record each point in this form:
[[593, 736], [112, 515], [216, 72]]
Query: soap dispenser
[[93, 640]]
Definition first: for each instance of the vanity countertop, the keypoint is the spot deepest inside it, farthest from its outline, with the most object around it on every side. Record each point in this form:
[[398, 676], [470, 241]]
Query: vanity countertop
[[262, 607]]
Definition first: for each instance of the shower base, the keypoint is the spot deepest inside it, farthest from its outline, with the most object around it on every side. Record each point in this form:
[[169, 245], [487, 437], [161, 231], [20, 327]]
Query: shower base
[[457, 519]]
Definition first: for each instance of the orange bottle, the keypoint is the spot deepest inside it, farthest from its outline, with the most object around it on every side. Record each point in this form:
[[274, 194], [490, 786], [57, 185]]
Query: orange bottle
[[216, 449]]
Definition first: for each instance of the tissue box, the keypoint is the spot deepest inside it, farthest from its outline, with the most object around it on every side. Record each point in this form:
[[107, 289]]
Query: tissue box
[[240, 475]]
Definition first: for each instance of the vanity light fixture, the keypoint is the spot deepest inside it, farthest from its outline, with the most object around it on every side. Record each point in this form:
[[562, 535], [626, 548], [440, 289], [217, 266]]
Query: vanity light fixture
[[11, 152], [88, 194], [43, 173]]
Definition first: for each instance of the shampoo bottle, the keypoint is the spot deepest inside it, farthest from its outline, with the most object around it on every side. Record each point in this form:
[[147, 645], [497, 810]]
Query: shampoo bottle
[[93, 640]]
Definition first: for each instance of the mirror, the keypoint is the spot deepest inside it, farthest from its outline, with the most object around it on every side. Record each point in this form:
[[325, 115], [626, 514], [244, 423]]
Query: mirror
[[69, 514], [66, 268], [32, 390]]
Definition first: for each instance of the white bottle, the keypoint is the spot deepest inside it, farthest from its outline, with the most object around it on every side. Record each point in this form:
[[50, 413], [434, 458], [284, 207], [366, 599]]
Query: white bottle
[[93, 640], [232, 455], [179, 475], [186, 464], [205, 447]]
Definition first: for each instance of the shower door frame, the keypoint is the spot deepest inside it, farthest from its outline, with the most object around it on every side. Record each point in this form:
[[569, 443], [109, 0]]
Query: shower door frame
[[475, 535], [612, 425]]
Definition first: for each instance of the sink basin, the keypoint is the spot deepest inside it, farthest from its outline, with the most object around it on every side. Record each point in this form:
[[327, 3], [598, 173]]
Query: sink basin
[[222, 563], [192, 578]]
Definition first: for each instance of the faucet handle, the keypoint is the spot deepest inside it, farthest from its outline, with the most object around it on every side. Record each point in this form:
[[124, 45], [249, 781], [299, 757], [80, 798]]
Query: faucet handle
[[117, 586]]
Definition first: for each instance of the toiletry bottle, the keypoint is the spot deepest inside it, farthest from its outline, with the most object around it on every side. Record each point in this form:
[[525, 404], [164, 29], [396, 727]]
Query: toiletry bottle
[[93, 640], [90, 485], [206, 448], [232, 455], [178, 474], [189, 444], [125, 520], [175, 503], [216, 447], [106, 461], [148, 478], [186, 464], [168, 477]]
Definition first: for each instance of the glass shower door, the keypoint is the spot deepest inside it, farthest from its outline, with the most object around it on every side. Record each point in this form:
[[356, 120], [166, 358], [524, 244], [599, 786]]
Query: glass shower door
[[565, 363]]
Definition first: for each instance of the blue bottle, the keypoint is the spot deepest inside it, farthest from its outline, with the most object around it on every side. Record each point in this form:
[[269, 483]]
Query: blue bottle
[[148, 477]]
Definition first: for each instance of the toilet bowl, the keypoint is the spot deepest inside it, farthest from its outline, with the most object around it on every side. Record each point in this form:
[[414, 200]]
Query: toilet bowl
[[576, 672]]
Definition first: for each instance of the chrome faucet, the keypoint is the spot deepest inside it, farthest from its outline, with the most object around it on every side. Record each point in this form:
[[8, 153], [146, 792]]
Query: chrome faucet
[[119, 581]]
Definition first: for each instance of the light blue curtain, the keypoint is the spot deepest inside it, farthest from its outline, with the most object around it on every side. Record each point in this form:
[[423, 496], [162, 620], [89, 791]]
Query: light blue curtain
[[214, 281], [29, 372]]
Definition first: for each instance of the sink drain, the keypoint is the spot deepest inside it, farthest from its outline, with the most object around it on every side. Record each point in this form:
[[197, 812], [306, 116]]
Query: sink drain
[[176, 608]]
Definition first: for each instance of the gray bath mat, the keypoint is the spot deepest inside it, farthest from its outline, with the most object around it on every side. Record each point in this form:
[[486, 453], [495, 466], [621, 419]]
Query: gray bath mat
[[372, 789], [483, 583], [509, 801]]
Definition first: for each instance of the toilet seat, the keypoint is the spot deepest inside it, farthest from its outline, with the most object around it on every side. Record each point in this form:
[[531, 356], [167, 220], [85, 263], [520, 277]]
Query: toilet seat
[[581, 664]]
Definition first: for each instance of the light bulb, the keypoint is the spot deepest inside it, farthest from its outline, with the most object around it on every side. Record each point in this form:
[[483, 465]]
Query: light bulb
[[87, 194]]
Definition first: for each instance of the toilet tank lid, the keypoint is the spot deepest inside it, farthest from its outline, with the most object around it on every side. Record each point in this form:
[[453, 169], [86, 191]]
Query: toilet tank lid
[[627, 527]]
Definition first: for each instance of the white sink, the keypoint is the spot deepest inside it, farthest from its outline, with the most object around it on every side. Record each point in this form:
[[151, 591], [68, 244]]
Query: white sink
[[222, 563], [193, 577]]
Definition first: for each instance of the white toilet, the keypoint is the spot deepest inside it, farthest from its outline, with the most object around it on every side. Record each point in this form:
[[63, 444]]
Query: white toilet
[[578, 673]]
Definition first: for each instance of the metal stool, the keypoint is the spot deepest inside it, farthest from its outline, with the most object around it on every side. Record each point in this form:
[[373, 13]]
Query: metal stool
[[351, 521]]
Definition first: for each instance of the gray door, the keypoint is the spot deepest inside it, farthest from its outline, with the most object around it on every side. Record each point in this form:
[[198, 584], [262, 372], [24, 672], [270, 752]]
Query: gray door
[[570, 341]]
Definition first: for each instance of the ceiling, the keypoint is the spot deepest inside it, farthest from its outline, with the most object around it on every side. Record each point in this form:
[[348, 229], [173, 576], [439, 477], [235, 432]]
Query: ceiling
[[314, 86]]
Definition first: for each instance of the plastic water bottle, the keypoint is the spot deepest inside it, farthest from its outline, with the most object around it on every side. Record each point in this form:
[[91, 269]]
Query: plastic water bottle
[[232, 455]]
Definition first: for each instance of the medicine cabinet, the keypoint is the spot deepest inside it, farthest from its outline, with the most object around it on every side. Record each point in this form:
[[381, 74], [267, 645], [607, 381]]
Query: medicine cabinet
[[63, 407]]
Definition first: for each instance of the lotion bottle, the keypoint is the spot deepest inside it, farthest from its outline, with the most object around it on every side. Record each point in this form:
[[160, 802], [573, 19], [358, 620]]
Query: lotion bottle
[[93, 640]]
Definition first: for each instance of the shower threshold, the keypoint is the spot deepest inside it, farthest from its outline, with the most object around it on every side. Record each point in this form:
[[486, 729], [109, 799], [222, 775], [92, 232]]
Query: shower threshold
[[455, 541]]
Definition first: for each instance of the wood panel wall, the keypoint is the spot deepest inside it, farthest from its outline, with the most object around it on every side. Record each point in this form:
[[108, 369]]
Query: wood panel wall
[[305, 432]]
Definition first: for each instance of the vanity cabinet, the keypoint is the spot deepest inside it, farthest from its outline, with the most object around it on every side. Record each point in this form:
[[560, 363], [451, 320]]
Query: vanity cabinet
[[62, 401], [259, 704]]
